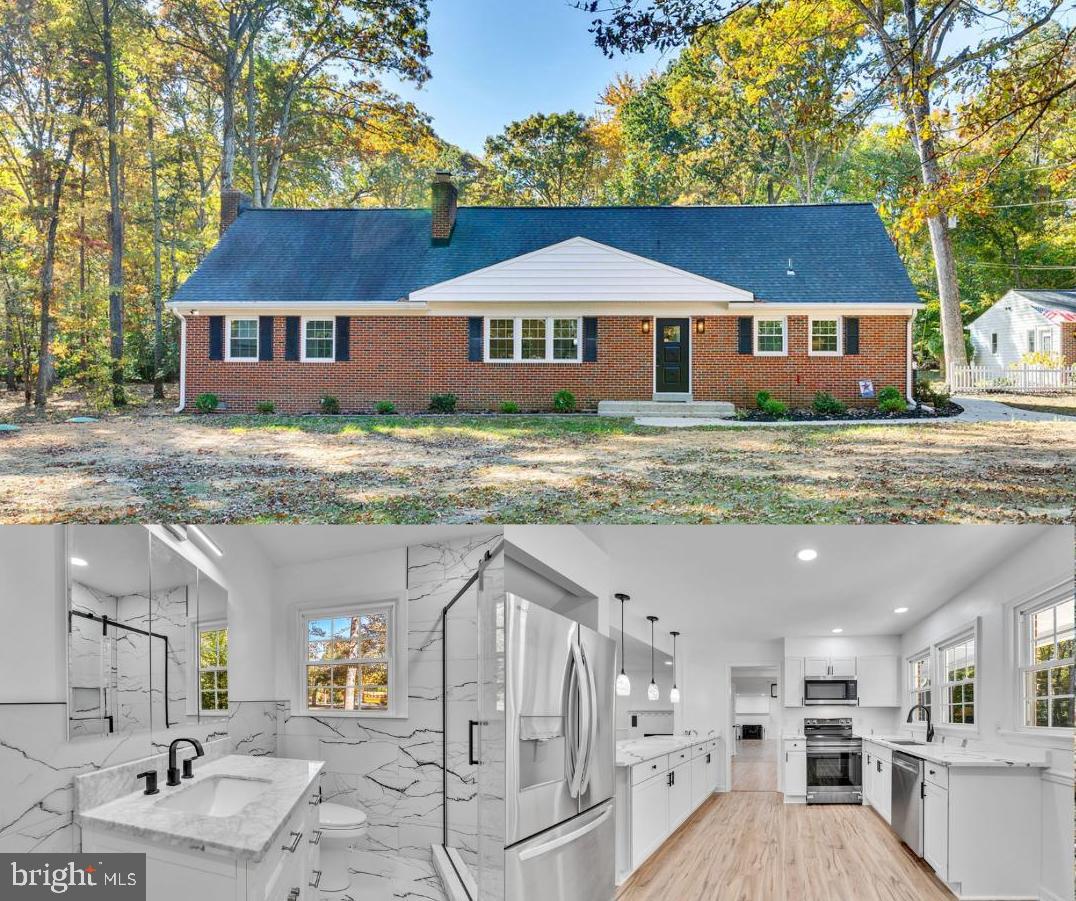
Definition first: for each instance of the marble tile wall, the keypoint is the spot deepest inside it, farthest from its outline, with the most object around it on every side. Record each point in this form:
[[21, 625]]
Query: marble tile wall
[[38, 764]]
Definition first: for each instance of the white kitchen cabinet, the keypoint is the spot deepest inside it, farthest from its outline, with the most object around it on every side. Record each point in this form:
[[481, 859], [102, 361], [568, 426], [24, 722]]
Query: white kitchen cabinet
[[700, 780], [814, 667], [714, 759], [868, 758], [878, 679], [844, 667], [795, 763], [793, 682], [883, 788], [936, 828], [821, 667], [680, 800], [649, 817]]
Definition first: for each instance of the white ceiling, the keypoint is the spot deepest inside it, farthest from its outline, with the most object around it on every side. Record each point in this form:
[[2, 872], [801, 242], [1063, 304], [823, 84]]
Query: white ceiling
[[287, 545], [744, 583]]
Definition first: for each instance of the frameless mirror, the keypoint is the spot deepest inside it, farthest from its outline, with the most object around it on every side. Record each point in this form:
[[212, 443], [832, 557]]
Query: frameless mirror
[[147, 634]]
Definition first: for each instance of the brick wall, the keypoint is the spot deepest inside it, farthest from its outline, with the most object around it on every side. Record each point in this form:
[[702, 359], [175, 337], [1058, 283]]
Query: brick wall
[[407, 359], [1068, 343]]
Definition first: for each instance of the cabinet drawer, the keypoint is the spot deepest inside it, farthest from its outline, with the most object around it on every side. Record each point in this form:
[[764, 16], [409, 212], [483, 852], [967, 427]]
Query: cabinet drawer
[[698, 750], [795, 744], [936, 773], [643, 771], [281, 870], [882, 753], [678, 757]]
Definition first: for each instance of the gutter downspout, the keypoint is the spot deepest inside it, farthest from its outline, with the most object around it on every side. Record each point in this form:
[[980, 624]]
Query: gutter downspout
[[182, 362], [911, 376]]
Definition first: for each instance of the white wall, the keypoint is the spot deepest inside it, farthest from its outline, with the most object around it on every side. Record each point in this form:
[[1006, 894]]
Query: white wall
[[1011, 317], [1044, 563]]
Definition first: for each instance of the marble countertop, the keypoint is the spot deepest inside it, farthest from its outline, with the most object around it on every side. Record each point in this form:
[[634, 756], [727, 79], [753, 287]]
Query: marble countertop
[[630, 751], [247, 835], [945, 755]]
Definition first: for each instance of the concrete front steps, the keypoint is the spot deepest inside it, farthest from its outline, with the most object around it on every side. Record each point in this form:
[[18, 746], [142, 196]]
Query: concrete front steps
[[692, 409]]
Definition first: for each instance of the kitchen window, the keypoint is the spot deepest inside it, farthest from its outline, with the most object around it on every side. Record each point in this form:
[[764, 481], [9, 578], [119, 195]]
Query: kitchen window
[[770, 337], [319, 340], [348, 659], [242, 339], [825, 337], [213, 668], [958, 662], [533, 339], [1046, 633], [919, 684]]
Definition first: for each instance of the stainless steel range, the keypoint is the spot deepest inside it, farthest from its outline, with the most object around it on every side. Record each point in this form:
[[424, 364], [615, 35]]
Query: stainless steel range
[[834, 761]]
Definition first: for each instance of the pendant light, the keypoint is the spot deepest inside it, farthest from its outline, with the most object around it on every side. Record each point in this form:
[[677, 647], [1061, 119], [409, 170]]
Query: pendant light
[[652, 693], [623, 683], [674, 694]]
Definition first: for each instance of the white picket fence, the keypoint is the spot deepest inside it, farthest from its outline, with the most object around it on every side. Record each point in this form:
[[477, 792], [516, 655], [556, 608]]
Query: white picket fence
[[1018, 379]]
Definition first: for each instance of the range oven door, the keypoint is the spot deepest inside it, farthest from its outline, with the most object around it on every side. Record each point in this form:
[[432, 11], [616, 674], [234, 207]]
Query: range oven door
[[834, 774], [843, 692]]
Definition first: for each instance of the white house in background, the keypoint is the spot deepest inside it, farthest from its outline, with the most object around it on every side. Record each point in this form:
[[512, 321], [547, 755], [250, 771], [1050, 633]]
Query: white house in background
[[1026, 322]]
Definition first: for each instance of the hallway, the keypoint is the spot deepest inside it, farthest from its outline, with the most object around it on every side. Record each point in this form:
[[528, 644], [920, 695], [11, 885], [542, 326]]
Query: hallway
[[754, 766]]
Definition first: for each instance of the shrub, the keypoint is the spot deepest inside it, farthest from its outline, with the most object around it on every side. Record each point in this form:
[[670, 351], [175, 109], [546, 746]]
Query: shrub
[[206, 403], [443, 403], [926, 393], [265, 406], [769, 406], [890, 400], [564, 402], [509, 406], [761, 398], [330, 404], [825, 404], [385, 407]]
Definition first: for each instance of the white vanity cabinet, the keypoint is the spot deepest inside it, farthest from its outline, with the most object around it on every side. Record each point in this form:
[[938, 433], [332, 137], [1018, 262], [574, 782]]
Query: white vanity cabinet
[[795, 770]]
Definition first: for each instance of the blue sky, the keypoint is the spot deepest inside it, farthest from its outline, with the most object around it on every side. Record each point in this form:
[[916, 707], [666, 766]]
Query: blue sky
[[495, 61]]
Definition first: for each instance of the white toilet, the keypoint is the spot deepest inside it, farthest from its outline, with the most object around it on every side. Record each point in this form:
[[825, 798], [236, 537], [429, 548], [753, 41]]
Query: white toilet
[[340, 828]]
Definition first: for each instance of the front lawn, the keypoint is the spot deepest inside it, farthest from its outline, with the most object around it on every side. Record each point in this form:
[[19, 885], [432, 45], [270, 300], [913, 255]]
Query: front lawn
[[1064, 404], [149, 465]]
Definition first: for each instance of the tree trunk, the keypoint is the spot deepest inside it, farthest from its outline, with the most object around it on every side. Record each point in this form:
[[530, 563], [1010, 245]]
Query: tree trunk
[[227, 152], [252, 133], [158, 298], [115, 210]]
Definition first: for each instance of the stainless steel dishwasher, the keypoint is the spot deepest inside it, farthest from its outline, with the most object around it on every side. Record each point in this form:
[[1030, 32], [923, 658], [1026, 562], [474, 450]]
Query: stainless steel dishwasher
[[908, 800]]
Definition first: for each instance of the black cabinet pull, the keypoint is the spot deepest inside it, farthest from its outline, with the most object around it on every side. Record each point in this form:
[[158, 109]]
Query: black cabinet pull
[[471, 759]]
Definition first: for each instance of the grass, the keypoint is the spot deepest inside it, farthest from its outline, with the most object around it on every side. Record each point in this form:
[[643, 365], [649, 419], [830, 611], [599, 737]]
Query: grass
[[1063, 404]]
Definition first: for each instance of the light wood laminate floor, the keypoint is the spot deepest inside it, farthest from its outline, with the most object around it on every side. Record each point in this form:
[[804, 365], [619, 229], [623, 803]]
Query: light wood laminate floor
[[751, 846], [754, 766]]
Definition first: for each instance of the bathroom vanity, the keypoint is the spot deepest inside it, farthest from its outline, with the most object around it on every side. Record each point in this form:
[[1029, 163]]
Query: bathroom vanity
[[242, 829]]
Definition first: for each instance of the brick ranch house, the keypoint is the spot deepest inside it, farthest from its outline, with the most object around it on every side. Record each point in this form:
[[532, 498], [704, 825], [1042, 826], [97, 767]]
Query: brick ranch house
[[514, 304]]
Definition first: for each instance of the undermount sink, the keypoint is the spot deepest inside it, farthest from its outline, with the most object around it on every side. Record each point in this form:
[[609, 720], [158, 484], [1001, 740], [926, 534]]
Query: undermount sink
[[906, 741], [217, 796]]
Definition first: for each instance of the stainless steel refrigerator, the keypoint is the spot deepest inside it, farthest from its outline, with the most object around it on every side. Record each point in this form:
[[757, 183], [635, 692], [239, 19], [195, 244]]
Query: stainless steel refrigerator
[[560, 757]]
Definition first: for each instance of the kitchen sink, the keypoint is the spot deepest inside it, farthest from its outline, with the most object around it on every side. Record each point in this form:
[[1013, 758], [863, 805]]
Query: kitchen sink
[[217, 796]]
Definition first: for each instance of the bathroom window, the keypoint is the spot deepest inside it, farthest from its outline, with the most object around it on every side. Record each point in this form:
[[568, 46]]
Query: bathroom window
[[213, 668], [919, 684], [348, 656], [1046, 631], [958, 668]]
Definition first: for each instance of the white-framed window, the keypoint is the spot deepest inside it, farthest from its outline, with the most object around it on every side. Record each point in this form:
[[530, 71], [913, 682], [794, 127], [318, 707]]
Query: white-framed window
[[242, 338], [993, 342], [958, 669], [825, 337], [771, 337], [919, 684], [351, 662], [1046, 340], [319, 340], [1046, 631], [534, 339], [211, 685], [1031, 341]]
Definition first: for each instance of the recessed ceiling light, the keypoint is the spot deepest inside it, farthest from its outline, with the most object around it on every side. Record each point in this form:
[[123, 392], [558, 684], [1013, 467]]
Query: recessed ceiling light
[[836, 631], [807, 554], [78, 561], [900, 609]]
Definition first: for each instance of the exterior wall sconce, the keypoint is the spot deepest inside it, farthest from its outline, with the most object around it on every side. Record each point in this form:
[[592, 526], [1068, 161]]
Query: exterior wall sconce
[[700, 326], [644, 326]]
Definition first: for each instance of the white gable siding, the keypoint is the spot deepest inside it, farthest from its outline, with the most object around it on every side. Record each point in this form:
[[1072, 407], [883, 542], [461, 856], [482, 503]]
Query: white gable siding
[[1011, 318], [580, 270]]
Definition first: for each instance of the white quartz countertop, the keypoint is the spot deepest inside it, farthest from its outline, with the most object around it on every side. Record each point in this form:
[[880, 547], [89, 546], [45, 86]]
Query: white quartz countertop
[[945, 755], [630, 751], [248, 834]]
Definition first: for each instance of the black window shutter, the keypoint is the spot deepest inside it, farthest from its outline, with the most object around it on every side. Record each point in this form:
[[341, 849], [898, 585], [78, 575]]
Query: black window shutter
[[745, 334], [216, 337], [851, 334], [474, 339], [590, 339], [291, 338], [343, 338], [265, 337]]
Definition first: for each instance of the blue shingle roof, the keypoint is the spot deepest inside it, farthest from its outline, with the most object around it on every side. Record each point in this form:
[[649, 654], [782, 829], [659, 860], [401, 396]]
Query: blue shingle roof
[[840, 252]]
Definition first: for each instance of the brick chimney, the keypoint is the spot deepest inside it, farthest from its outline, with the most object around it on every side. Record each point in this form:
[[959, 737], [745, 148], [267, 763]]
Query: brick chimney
[[444, 207], [232, 204]]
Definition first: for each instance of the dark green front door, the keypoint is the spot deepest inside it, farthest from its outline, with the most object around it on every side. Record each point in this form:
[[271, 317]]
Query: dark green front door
[[673, 361]]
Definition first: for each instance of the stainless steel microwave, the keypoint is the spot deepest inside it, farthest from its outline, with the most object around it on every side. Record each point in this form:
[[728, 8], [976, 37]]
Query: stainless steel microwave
[[830, 691]]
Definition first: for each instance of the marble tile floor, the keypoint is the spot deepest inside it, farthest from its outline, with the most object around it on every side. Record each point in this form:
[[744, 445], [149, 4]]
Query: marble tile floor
[[381, 876]]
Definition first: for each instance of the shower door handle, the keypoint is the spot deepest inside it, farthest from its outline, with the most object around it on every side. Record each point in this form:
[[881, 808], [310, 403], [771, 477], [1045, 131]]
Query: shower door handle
[[471, 759]]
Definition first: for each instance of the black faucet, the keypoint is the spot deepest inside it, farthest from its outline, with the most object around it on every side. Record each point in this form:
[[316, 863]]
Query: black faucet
[[925, 709], [151, 782], [188, 768]]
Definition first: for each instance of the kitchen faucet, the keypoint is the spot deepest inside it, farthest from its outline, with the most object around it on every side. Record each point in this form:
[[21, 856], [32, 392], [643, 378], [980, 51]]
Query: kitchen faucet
[[188, 767], [926, 710]]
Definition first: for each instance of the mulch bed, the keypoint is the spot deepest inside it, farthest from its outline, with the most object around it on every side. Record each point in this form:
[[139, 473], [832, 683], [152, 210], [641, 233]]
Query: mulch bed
[[853, 414]]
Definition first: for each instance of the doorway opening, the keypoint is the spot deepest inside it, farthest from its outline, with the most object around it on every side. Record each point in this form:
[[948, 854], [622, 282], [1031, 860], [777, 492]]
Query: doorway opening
[[755, 713]]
